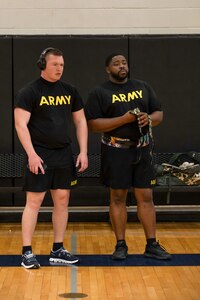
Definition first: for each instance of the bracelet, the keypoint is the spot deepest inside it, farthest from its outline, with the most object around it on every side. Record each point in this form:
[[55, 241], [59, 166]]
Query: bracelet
[[150, 120], [135, 111]]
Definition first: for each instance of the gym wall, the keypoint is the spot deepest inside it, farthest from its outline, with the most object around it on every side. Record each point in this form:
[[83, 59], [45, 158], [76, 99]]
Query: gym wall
[[170, 63], [94, 17]]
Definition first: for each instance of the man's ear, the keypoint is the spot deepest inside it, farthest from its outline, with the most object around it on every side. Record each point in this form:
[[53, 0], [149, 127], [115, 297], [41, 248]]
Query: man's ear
[[107, 70]]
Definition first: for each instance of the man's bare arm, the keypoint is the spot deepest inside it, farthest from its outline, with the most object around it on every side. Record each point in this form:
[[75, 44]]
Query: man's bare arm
[[108, 124], [22, 118]]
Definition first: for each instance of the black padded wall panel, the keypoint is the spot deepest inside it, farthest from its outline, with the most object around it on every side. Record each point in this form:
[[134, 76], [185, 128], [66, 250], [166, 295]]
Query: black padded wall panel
[[6, 118], [6, 122], [171, 65]]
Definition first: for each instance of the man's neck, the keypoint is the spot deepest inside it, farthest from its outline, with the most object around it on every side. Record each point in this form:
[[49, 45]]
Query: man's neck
[[113, 80]]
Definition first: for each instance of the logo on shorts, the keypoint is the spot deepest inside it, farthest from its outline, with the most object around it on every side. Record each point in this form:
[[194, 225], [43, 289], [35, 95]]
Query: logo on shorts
[[74, 182], [153, 182]]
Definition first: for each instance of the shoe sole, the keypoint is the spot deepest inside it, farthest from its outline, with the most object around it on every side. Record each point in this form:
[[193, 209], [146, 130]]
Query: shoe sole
[[31, 266], [118, 258], [157, 257], [63, 261]]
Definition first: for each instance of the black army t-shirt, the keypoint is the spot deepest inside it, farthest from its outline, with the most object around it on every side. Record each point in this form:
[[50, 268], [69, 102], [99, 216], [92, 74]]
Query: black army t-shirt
[[50, 105], [111, 100]]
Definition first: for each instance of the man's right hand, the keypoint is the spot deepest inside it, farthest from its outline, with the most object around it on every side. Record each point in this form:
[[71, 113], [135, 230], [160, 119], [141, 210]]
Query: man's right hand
[[35, 164]]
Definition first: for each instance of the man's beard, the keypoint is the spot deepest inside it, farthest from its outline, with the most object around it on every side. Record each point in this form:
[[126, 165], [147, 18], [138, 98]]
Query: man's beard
[[119, 77]]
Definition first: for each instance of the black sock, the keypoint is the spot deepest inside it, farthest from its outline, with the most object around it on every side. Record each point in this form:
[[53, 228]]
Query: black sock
[[151, 241], [57, 246], [26, 248], [120, 242]]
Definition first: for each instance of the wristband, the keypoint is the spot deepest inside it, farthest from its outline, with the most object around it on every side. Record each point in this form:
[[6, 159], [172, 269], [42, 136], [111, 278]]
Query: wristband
[[135, 111], [150, 120]]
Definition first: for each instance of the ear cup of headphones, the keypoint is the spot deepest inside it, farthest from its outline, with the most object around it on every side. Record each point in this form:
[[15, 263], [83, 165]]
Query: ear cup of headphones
[[41, 63]]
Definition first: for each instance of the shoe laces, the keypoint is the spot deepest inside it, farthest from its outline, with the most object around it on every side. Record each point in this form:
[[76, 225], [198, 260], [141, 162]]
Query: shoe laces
[[159, 245], [63, 250], [30, 256]]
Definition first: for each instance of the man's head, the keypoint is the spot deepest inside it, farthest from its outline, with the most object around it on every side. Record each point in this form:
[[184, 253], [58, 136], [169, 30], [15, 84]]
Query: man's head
[[117, 67], [51, 64]]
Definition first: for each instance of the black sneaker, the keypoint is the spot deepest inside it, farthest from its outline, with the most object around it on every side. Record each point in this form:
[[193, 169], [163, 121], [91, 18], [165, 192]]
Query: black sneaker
[[29, 260], [155, 250], [121, 251], [62, 256]]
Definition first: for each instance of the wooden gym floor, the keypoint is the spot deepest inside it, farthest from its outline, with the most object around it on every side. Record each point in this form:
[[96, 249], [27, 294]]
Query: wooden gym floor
[[101, 282]]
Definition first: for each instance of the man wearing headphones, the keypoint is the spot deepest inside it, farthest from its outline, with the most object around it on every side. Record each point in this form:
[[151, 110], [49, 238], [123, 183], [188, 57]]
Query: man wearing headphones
[[44, 112]]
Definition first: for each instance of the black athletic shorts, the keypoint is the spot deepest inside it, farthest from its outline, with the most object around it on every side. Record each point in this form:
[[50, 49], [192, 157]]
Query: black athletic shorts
[[54, 178], [125, 168], [59, 174]]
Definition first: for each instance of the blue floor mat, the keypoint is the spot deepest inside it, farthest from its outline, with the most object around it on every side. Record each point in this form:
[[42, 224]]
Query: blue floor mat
[[106, 260]]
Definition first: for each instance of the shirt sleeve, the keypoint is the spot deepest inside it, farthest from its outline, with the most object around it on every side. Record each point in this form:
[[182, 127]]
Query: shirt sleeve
[[154, 103], [77, 103], [24, 99], [93, 107]]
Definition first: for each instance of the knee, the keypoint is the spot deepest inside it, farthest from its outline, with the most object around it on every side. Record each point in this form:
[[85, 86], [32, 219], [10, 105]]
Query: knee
[[118, 200], [61, 203], [144, 196], [33, 205], [146, 201], [60, 199], [34, 200]]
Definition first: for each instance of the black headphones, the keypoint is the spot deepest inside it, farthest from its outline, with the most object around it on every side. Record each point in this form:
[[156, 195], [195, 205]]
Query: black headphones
[[41, 63]]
